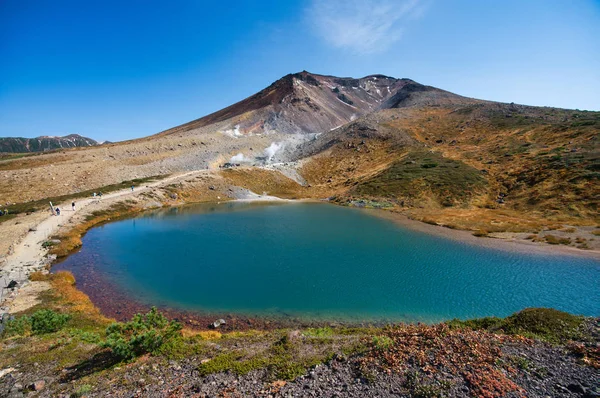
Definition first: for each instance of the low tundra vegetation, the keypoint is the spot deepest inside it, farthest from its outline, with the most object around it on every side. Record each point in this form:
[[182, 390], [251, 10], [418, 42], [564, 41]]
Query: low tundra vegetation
[[64, 335], [40, 322], [144, 334], [545, 324]]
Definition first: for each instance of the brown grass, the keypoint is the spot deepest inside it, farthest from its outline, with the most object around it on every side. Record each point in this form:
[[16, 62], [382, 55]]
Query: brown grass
[[203, 334], [555, 240], [74, 300], [263, 181], [480, 219]]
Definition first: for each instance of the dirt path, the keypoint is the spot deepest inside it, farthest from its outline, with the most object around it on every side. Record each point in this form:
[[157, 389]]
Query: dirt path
[[29, 255]]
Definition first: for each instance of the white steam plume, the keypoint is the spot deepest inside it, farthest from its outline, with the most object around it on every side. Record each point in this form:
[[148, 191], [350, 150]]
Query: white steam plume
[[272, 150]]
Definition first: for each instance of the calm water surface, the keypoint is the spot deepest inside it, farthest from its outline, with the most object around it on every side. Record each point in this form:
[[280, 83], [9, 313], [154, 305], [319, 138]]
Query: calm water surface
[[323, 261]]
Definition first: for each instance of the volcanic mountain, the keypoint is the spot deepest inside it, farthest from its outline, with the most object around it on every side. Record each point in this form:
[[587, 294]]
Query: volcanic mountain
[[309, 103]]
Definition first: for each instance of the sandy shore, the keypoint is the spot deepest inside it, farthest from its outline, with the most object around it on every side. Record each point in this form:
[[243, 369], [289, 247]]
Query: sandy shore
[[514, 242]]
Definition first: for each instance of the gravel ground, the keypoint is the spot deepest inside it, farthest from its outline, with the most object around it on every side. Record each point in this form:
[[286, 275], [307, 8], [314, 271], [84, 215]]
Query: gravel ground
[[544, 371]]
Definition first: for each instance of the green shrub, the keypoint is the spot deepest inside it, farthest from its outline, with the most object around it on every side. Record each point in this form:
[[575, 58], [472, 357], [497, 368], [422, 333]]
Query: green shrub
[[17, 327], [382, 343], [544, 323], [86, 337], [539, 323], [48, 321], [82, 391], [41, 322], [143, 334]]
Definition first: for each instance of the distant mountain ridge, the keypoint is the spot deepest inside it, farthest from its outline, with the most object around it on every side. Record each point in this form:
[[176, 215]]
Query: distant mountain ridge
[[43, 143]]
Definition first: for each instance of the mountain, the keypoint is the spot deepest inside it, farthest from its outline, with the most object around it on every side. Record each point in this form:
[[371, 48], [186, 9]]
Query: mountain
[[432, 154], [43, 143], [307, 103]]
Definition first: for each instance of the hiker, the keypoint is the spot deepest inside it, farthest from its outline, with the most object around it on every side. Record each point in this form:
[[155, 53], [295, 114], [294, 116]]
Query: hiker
[[57, 211], [132, 188], [100, 194], [73, 206], [94, 194]]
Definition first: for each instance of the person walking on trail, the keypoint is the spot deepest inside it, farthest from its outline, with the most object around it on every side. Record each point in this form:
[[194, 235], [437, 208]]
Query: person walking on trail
[[132, 188], [73, 206], [100, 194], [57, 211]]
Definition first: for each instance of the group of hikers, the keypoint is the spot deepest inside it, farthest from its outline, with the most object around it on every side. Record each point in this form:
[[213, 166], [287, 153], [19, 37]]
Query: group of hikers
[[57, 210], [4, 212]]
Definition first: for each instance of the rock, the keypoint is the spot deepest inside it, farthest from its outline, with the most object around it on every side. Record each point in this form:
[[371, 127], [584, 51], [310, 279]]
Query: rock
[[6, 371], [294, 335], [212, 187], [38, 385], [218, 323], [576, 388]]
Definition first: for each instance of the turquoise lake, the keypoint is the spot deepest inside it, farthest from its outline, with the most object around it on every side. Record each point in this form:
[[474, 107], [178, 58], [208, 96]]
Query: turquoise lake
[[325, 262]]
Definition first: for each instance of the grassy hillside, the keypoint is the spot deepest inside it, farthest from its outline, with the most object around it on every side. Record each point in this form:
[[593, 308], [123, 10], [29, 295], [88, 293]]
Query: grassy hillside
[[422, 175], [504, 163]]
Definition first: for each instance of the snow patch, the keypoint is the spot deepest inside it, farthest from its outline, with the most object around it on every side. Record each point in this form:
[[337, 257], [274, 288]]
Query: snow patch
[[345, 103]]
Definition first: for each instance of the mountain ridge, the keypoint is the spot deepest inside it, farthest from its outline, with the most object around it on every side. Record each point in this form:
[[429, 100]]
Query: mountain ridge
[[44, 143]]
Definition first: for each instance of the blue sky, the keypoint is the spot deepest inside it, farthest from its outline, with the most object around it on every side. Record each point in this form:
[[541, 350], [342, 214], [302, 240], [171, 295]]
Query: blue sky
[[116, 70]]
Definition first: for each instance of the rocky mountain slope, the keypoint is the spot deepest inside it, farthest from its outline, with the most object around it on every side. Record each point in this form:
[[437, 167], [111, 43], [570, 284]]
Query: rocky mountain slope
[[43, 143], [310, 103]]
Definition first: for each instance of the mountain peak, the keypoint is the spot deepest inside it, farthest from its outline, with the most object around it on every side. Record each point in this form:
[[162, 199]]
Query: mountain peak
[[305, 102]]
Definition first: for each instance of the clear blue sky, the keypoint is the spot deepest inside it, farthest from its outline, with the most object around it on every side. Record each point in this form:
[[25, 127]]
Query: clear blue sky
[[115, 70]]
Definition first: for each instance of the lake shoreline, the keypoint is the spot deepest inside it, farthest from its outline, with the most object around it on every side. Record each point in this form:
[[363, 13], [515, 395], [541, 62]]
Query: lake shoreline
[[39, 260], [120, 294], [512, 244]]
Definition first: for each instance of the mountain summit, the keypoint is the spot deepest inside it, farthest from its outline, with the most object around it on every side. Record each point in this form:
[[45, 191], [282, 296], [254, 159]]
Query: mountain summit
[[310, 103]]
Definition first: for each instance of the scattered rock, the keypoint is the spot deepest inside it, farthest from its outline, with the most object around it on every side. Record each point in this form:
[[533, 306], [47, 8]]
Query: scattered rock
[[218, 323], [6, 371], [576, 388], [38, 385]]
